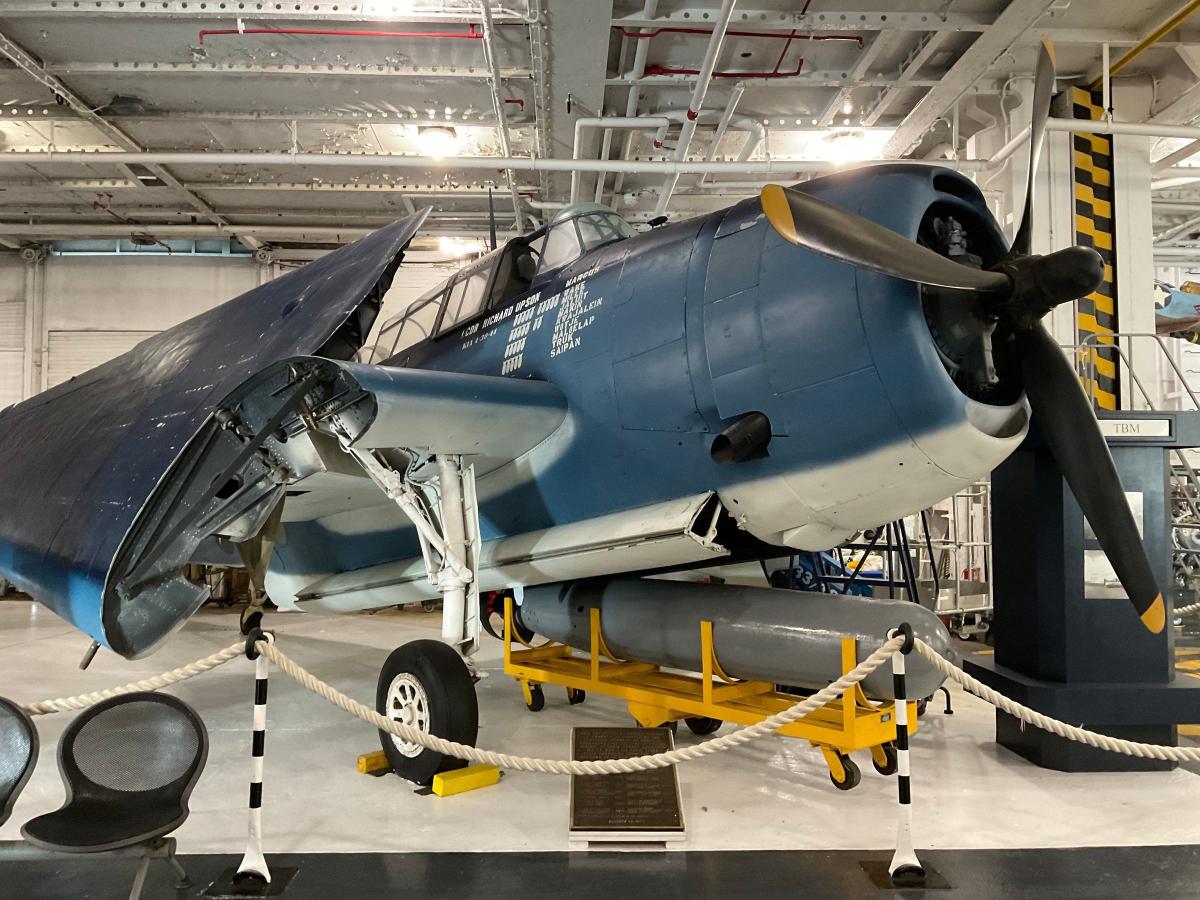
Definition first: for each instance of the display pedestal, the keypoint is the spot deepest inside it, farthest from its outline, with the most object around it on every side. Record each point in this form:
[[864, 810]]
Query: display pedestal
[[1068, 643]]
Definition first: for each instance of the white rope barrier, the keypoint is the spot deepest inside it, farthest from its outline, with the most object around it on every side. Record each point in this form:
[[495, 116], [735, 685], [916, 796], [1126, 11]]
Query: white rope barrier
[[1054, 726], [573, 767], [1188, 610], [183, 673], [637, 763]]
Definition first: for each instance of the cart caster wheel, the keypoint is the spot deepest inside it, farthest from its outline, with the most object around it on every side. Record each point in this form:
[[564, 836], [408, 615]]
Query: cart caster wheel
[[537, 698], [426, 685], [429, 605], [852, 775], [702, 724], [575, 696], [888, 752], [672, 726], [250, 619]]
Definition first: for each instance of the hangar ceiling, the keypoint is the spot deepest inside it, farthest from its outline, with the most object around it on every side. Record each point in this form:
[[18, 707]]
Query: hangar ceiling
[[402, 91]]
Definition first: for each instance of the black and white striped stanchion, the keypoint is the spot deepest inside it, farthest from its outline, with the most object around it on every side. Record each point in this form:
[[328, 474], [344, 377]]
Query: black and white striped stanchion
[[254, 864], [905, 869]]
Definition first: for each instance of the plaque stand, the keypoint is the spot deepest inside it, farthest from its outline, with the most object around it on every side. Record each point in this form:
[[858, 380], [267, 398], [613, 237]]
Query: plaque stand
[[634, 808]]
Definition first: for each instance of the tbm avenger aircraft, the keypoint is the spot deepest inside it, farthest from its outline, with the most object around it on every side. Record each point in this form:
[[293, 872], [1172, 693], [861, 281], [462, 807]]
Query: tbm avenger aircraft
[[578, 408]]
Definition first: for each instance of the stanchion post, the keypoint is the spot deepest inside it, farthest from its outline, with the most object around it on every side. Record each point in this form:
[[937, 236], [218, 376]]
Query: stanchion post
[[905, 869], [254, 864]]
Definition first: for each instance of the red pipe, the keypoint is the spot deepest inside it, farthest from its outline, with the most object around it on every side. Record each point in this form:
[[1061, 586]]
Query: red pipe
[[668, 70], [471, 34], [638, 35]]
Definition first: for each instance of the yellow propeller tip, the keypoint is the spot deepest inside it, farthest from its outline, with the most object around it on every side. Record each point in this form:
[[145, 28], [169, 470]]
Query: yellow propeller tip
[[779, 212], [1155, 616], [1049, 45]]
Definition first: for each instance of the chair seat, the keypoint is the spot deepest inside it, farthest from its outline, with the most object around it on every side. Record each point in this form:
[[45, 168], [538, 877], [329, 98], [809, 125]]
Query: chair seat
[[90, 826]]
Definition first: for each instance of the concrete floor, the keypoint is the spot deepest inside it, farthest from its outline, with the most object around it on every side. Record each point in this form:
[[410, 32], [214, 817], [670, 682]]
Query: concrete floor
[[775, 794]]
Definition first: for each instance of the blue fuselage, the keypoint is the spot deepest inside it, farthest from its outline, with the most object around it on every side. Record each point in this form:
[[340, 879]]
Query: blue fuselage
[[660, 341]]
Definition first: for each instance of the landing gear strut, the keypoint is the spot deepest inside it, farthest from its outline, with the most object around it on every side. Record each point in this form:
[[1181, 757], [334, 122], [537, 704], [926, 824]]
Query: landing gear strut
[[430, 685]]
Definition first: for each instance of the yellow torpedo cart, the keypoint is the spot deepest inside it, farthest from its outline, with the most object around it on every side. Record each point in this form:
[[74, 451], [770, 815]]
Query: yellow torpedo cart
[[656, 697]]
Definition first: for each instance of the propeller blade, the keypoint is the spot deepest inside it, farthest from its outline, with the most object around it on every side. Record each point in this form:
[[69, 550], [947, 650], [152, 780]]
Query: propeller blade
[[1043, 92], [847, 237], [1064, 416]]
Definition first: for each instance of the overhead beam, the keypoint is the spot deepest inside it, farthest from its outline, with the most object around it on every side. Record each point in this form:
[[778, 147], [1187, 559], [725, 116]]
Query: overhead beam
[[1017, 18], [55, 113], [861, 67], [195, 10], [1180, 110], [146, 69], [815, 78], [926, 46], [818, 21], [32, 67]]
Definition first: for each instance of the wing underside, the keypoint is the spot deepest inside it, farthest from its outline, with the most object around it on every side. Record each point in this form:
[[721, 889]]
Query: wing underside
[[299, 424]]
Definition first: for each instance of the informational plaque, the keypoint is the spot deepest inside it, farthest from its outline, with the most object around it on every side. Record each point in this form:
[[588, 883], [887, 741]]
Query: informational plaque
[[638, 806]]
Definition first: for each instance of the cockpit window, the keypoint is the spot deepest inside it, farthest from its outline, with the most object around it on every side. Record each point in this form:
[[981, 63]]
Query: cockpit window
[[498, 277], [466, 296], [579, 229], [562, 246]]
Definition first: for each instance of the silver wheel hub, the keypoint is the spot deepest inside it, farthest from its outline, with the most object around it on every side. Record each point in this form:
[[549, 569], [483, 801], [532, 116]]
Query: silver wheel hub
[[408, 704]]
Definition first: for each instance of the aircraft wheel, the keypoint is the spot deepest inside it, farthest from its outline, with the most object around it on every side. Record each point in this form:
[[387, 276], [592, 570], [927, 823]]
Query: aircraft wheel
[[575, 696], [427, 685], [888, 753], [537, 698], [702, 724], [850, 775]]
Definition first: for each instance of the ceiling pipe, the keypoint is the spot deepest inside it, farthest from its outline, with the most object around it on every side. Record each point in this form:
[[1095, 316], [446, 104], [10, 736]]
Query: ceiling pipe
[[1173, 22], [1140, 129], [1175, 231], [660, 124], [489, 52], [517, 163], [735, 97], [632, 99], [470, 34], [1187, 151], [704, 79]]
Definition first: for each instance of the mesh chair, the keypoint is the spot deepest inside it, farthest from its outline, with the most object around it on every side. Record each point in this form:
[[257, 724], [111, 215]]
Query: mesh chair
[[18, 754], [129, 765]]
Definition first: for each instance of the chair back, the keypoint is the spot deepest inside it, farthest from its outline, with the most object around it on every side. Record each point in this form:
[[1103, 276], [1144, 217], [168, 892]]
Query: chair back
[[18, 754], [144, 748]]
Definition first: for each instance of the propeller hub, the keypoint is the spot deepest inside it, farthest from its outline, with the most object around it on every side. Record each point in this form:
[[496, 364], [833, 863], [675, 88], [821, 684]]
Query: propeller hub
[[1040, 283]]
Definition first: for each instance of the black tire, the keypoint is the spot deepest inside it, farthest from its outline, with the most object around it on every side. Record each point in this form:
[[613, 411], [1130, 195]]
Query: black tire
[[575, 696], [453, 710], [853, 774], [537, 698], [702, 724], [889, 767]]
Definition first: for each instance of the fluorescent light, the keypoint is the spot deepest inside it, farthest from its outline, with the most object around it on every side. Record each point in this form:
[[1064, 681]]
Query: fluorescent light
[[853, 145], [459, 247], [438, 141]]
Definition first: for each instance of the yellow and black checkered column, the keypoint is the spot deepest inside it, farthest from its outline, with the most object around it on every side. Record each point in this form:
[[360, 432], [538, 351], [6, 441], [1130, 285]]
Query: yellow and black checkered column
[[1092, 172]]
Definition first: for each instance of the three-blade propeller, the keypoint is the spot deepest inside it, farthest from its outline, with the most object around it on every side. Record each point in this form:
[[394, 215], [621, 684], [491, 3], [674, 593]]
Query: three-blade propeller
[[1015, 295]]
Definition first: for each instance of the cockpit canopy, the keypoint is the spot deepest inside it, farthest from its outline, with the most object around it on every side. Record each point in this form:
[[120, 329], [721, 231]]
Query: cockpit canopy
[[519, 266]]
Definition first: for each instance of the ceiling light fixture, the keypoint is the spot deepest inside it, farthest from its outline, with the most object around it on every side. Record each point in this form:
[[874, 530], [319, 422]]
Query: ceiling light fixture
[[438, 141], [459, 247]]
